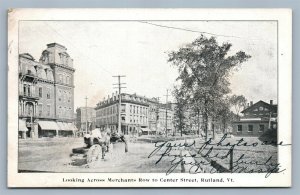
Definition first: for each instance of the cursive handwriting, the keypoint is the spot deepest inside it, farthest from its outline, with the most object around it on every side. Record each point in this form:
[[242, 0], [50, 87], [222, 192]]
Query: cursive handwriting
[[215, 156]]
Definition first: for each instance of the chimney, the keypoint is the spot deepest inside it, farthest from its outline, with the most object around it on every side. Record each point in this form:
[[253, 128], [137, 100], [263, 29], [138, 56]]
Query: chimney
[[248, 105], [271, 102], [251, 103]]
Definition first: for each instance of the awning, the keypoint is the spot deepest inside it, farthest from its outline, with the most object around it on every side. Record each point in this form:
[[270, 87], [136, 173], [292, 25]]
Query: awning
[[73, 127], [65, 126], [22, 125], [61, 126], [48, 125]]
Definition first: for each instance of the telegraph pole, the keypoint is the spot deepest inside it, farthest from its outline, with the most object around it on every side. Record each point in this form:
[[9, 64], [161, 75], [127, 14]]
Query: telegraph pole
[[157, 115], [167, 112], [119, 86], [86, 120]]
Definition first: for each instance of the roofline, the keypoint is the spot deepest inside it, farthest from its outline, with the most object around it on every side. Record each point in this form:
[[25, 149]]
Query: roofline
[[257, 103]]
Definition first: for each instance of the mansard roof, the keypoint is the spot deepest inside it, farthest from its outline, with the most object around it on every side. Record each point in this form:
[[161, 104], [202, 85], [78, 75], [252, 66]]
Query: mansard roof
[[27, 56]]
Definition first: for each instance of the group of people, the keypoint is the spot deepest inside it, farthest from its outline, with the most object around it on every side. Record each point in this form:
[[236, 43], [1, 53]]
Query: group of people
[[105, 139]]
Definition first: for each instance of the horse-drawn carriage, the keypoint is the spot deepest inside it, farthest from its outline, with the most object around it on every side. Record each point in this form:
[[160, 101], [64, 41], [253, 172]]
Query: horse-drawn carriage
[[97, 144]]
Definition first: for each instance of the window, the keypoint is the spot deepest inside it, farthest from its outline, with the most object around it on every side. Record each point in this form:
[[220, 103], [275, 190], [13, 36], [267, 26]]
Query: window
[[24, 89], [48, 110], [40, 107], [60, 78], [28, 90], [40, 92], [240, 128], [48, 93], [123, 118], [68, 80], [123, 107], [261, 128], [250, 128]]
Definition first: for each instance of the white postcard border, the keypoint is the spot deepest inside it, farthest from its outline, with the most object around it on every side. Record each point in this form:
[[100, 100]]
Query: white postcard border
[[283, 16]]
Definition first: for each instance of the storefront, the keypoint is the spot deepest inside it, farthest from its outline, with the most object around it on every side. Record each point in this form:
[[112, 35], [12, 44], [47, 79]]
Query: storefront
[[66, 129], [47, 129], [22, 129]]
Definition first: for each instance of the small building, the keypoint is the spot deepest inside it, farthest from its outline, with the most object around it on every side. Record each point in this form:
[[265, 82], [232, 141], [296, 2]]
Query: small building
[[257, 118]]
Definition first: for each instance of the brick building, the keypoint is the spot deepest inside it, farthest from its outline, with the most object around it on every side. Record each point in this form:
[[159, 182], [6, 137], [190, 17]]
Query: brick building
[[138, 114], [46, 93], [256, 119]]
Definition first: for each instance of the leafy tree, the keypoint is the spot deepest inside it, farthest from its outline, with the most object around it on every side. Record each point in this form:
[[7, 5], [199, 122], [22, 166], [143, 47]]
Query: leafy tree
[[223, 112], [180, 110], [239, 102], [204, 68]]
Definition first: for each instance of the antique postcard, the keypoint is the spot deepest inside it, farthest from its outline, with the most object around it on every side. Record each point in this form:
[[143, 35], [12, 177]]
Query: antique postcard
[[149, 97]]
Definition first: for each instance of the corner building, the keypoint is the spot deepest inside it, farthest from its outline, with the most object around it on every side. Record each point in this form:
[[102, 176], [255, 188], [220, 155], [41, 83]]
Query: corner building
[[46, 93], [134, 113]]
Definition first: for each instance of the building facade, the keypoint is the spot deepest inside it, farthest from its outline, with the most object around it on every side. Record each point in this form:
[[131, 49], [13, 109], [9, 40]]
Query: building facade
[[257, 118], [85, 118], [46, 93], [134, 113], [139, 115]]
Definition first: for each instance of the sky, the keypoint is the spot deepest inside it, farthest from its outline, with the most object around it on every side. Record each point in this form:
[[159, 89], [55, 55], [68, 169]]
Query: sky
[[102, 49]]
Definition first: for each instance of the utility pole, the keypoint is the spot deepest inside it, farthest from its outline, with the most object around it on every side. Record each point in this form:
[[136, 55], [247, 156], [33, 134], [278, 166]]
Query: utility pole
[[167, 112], [119, 86], [156, 115], [86, 120]]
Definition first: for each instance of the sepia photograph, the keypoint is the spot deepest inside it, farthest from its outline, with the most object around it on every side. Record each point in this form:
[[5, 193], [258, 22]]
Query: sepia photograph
[[196, 97]]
